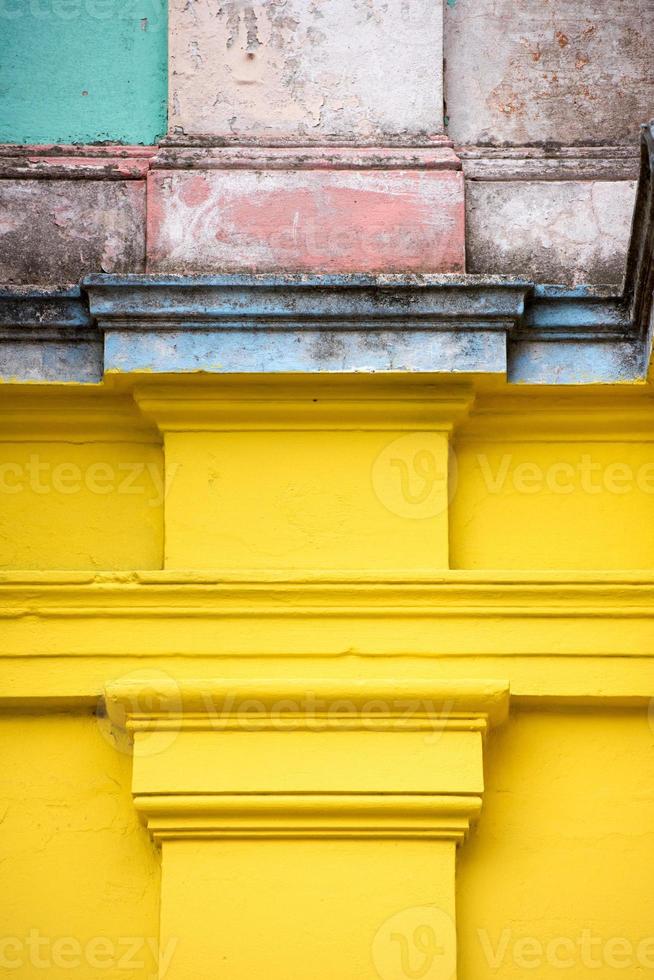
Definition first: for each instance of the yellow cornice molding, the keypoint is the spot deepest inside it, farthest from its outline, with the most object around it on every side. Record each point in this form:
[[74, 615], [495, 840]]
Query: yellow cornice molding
[[561, 638], [298, 757], [72, 415], [614, 416], [308, 704], [397, 406], [308, 816], [160, 594]]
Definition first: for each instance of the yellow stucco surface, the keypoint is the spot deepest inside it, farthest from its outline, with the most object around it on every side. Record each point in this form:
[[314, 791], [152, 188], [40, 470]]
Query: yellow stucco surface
[[246, 709], [552, 883], [80, 877]]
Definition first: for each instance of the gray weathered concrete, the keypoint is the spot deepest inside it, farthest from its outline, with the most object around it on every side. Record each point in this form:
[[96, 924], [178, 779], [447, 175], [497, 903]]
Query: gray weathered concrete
[[532, 71], [549, 231], [55, 231]]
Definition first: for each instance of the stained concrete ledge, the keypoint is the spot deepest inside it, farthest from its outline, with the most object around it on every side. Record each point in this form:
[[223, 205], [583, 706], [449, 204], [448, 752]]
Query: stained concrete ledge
[[48, 335], [69, 210], [233, 324], [270, 324]]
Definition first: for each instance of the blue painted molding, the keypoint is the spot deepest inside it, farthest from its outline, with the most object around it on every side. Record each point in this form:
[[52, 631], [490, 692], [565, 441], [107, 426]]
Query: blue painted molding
[[137, 324], [297, 324], [48, 335]]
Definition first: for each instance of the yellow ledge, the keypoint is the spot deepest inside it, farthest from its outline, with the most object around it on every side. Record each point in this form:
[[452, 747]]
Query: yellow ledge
[[568, 637]]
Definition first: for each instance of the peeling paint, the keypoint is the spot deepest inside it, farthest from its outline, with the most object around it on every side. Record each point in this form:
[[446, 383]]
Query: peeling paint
[[334, 221], [551, 231], [282, 70], [57, 230]]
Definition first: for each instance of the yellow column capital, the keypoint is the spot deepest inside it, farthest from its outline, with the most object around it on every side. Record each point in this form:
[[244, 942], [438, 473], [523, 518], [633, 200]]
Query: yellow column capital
[[307, 473], [244, 782]]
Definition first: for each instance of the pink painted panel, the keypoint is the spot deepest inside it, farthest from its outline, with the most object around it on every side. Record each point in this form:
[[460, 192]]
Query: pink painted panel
[[305, 221]]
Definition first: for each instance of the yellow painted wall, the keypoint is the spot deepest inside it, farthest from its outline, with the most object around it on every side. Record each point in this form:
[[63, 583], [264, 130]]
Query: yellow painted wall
[[80, 876], [81, 482], [557, 869], [555, 481], [553, 882], [346, 583]]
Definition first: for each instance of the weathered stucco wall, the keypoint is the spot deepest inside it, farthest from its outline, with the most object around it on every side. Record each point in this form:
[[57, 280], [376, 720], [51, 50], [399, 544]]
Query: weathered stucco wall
[[306, 69], [564, 72], [57, 230], [407, 501], [543, 103], [568, 231], [550, 75], [357, 218]]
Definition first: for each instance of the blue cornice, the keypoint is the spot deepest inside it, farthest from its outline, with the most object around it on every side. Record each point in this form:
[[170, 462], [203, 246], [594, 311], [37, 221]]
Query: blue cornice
[[48, 335]]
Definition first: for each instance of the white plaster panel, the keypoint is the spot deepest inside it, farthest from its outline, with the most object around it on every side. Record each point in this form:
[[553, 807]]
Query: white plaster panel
[[306, 69]]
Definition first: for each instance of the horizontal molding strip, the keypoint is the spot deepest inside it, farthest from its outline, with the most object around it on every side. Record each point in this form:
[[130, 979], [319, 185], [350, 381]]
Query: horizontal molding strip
[[537, 630], [309, 816], [557, 163], [151, 593], [72, 162], [303, 700], [436, 157]]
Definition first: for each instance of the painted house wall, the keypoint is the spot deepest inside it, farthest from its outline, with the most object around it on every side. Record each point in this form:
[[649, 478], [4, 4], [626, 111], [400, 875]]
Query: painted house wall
[[558, 863], [545, 139], [83, 71], [325, 622]]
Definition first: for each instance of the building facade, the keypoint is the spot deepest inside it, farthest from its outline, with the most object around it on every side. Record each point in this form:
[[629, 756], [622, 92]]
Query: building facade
[[327, 486]]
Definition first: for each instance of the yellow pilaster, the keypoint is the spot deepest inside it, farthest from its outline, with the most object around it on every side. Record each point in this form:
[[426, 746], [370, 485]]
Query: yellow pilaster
[[307, 475], [308, 827]]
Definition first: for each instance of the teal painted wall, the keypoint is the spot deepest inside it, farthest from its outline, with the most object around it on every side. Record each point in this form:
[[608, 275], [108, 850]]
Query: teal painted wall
[[83, 71]]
